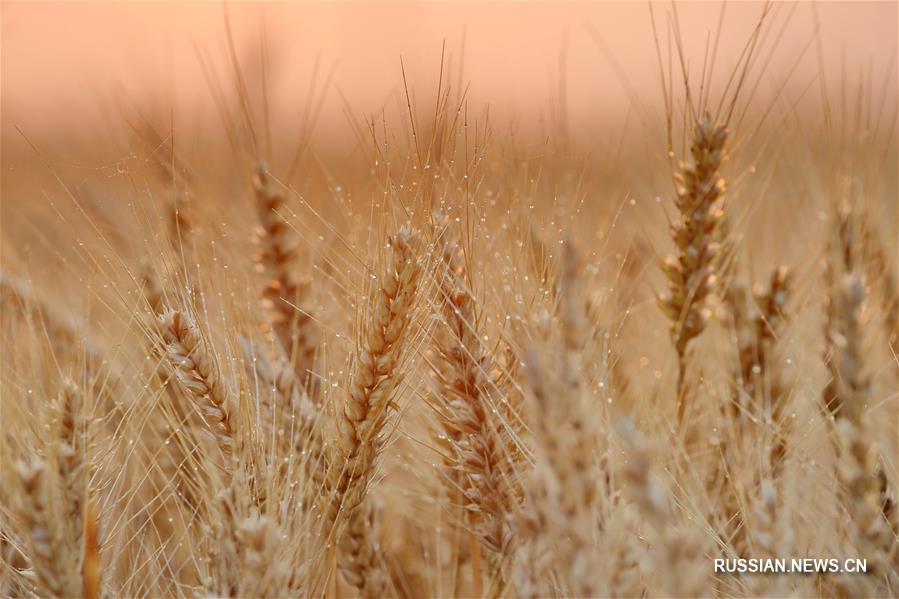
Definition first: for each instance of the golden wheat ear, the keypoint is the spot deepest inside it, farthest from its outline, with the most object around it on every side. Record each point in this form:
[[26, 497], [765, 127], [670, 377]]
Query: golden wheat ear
[[677, 551], [53, 553], [480, 452], [290, 425], [691, 271], [563, 488], [284, 291], [366, 412], [881, 271], [263, 572], [847, 397], [197, 372]]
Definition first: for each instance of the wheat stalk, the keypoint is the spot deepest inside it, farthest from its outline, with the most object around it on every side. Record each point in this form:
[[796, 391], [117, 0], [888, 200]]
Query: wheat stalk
[[90, 567]]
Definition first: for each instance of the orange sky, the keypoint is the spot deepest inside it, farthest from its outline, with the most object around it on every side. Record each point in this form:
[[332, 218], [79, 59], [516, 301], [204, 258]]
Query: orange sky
[[62, 63]]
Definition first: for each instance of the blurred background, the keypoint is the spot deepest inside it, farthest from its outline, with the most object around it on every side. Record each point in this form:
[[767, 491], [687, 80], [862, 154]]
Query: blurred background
[[102, 95], [68, 66], [106, 96]]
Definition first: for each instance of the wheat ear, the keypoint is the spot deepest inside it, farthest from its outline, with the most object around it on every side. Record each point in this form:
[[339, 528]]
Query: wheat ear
[[197, 372], [882, 272], [54, 499], [564, 485], [480, 451], [70, 454], [361, 557], [843, 356], [856, 456], [366, 409], [263, 573], [848, 392], [54, 558], [756, 344], [287, 414], [691, 273], [759, 324], [374, 379], [676, 551], [278, 257]]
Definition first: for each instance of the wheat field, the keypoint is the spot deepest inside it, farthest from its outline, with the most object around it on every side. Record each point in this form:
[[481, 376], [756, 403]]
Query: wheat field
[[449, 355]]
